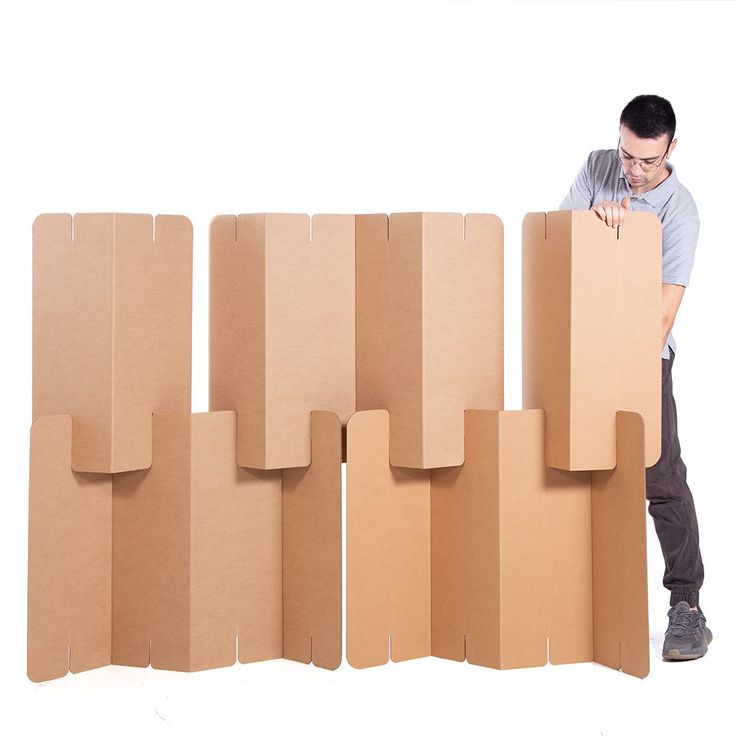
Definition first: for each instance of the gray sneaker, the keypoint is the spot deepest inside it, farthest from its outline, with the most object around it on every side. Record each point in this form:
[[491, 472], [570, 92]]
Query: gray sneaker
[[687, 636]]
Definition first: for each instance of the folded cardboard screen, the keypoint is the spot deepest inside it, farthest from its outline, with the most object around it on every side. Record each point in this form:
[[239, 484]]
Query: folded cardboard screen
[[177, 565], [112, 326], [186, 541], [357, 312], [429, 320], [282, 328], [495, 560], [591, 317]]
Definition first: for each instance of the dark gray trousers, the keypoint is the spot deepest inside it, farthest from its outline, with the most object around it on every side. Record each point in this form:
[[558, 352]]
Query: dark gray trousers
[[672, 508]]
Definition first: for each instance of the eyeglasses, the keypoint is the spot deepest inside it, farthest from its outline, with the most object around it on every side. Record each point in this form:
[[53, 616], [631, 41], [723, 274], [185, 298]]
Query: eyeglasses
[[647, 164]]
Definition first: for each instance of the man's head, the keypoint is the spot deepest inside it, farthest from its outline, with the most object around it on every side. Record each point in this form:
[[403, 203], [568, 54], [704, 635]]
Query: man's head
[[647, 138]]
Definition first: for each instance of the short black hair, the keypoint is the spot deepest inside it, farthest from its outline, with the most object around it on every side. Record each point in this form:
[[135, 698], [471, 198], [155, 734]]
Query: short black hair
[[648, 116]]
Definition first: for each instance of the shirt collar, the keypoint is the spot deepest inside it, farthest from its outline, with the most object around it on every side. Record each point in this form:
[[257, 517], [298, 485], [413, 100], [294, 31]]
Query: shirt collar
[[661, 193]]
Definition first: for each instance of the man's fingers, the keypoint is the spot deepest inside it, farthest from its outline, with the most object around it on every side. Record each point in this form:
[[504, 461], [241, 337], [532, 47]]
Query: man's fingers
[[617, 215], [598, 211], [608, 211], [611, 213]]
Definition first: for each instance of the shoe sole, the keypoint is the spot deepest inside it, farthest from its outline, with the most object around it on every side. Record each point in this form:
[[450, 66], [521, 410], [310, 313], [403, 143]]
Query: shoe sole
[[676, 655]]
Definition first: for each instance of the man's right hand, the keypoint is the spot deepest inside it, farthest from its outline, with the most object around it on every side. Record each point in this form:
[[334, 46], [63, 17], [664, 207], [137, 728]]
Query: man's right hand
[[612, 213]]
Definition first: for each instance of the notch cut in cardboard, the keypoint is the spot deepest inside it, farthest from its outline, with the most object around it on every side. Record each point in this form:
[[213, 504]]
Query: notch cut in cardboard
[[112, 314], [403, 312], [492, 560], [177, 565], [591, 315]]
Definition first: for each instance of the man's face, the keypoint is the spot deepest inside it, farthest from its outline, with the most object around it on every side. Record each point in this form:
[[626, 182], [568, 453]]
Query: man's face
[[642, 159]]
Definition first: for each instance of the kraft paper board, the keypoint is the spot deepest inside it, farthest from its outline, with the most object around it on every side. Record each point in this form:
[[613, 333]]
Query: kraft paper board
[[178, 565], [282, 328], [591, 315], [112, 325], [429, 290], [367, 311], [501, 561]]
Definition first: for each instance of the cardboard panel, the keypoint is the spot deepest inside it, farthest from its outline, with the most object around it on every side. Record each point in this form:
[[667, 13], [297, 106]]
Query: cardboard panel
[[69, 558], [592, 324], [429, 310], [388, 549], [312, 549], [111, 330], [515, 540], [620, 603], [197, 556], [282, 329], [513, 549], [180, 566]]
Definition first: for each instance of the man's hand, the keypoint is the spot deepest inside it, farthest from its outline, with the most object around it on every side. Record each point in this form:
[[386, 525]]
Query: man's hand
[[612, 213]]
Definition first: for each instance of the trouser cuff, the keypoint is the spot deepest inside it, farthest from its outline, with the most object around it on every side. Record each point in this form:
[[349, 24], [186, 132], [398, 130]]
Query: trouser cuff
[[691, 596]]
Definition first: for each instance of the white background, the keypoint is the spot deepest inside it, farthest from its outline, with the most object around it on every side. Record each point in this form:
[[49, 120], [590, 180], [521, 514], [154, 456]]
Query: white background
[[204, 108]]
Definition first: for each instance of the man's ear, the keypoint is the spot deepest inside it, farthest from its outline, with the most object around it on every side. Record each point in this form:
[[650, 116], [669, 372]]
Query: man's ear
[[673, 145]]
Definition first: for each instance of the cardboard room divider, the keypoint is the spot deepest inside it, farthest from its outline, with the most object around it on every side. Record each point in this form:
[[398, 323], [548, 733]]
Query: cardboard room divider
[[592, 301], [191, 564], [429, 289], [112, 330], [501, 559], [368, 311], [183, 562], [189, 540], [282, 328]]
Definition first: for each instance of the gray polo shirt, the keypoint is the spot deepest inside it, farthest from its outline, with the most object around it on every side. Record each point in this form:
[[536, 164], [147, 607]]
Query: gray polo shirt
[[602, 177]]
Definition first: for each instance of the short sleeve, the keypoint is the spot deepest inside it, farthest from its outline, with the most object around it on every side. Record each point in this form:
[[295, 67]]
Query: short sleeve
[[580, 196], [679, 238]]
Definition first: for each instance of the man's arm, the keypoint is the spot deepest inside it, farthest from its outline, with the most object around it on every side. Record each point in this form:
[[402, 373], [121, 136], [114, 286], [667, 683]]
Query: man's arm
[[671, 297], [679, 239], [582, 193]]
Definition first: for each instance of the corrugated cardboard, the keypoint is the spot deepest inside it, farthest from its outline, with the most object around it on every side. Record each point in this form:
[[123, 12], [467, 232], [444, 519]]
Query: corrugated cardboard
[[69, 558], [407, 311], [462, 543], [312, 549], [591, 331], [429, 311], [282, 328], [192, 553], [620, 554], [499, 559], [112, 313]]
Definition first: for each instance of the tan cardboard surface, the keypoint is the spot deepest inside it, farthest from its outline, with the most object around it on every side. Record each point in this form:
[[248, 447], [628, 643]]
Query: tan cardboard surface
[[620, 554], [518, 539], [197, 556], [312, 549], [111, 330], [69, 558], [282, 328], [512, 544], [591, 332], [188, 551], [388, 550], [429, 316]]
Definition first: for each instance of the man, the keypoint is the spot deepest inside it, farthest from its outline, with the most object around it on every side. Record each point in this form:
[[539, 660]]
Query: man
[[637, 176]]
